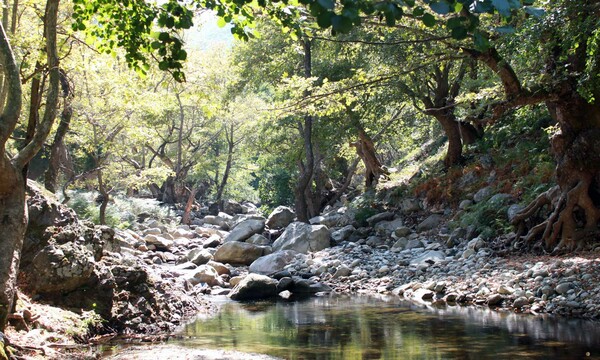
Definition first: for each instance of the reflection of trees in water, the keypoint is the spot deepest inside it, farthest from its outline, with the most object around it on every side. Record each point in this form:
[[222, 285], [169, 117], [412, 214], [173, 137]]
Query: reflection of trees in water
[[364, 328]]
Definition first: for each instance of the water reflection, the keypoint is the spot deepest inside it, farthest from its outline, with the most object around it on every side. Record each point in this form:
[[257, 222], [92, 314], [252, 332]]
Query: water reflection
[[387, 328]]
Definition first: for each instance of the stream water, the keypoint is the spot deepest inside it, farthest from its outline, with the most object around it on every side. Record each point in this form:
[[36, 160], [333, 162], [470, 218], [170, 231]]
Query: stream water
[[389, 328]]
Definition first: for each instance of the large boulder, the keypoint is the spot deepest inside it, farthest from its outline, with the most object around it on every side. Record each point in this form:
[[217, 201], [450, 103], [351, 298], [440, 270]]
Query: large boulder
[[205, 274], [343, 233], [60, 268], [272, 263], [161, 243], [258, 239], [245, 229], [235, 252], [430, 223], [281, 217], [232, 207], [253, 287], [302, 237]]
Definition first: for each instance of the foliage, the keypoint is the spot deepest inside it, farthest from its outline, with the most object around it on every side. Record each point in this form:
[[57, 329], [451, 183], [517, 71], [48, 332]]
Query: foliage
[[488, 218], [363, 207]]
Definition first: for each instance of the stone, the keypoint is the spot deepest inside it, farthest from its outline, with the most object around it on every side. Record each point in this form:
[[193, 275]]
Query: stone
[[183, 233], [212, 241], [303, 238], [254, 287], [385, 216], [410, 205], [272, 263], [235, 252], [199, 256], [483, 194], [388, 227], [245, 229], [284, 284], [231, 207], [375, 241], [161, 243], [500, 199], [563, 288], [221, 268], [430, 223], [280, 217], [343, 233], [152, 231], [330, 220], [258, 239], [342, 271], [520, 302], [468, 253], [476, 244], [59, 268], [428, 257], [217, 221], [465, 204], [235, 280], [513, 210], [505, 290], [495, 299], [423, 294], [401, 231], [414, 244], [205, 274], [400, 244]]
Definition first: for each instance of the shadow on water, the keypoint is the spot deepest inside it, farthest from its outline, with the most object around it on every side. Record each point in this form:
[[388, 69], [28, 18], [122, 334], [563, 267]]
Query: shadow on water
[[388, 328]]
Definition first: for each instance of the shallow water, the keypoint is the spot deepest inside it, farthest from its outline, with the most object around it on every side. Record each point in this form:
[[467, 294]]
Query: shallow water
[[388, 328]]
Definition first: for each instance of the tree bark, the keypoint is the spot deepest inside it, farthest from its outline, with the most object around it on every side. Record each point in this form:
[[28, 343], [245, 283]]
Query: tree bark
[[13, 208], [57, 147], [305, 169], [228, 164]]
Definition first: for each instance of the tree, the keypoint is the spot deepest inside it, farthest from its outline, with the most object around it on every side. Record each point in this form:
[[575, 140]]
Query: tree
[[12, 182]]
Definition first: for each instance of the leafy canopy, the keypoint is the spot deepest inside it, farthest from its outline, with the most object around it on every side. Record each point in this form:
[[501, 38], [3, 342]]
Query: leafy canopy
[[148, 30]]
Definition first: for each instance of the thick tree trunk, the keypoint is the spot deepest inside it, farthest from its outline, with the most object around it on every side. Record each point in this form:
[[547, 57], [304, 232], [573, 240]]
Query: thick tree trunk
[[365, 149], [13, 220], [573, 208]]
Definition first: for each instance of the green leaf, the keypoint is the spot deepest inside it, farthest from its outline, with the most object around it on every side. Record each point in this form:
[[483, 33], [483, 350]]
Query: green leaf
[[81, 26], [454, 22], [440, 7], [459, 33], [155, 45], [418, 11], [164, 37], [221, 22], [324, 19], [502, 6], [429, 20], [481, 41], [327, 4]]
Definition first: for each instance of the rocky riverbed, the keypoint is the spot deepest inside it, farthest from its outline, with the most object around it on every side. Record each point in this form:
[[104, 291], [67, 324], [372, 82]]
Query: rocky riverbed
[[152, 278]]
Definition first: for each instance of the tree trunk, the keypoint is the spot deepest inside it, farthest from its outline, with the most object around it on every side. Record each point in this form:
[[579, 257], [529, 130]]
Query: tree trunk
[[365, 149], [104, 197], [186, 218], [574, 207], [56, 148], [13, 218], [305, 173], [228, 164]]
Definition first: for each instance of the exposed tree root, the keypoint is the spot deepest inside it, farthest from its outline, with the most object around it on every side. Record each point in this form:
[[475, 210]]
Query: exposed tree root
[[573, 217]]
